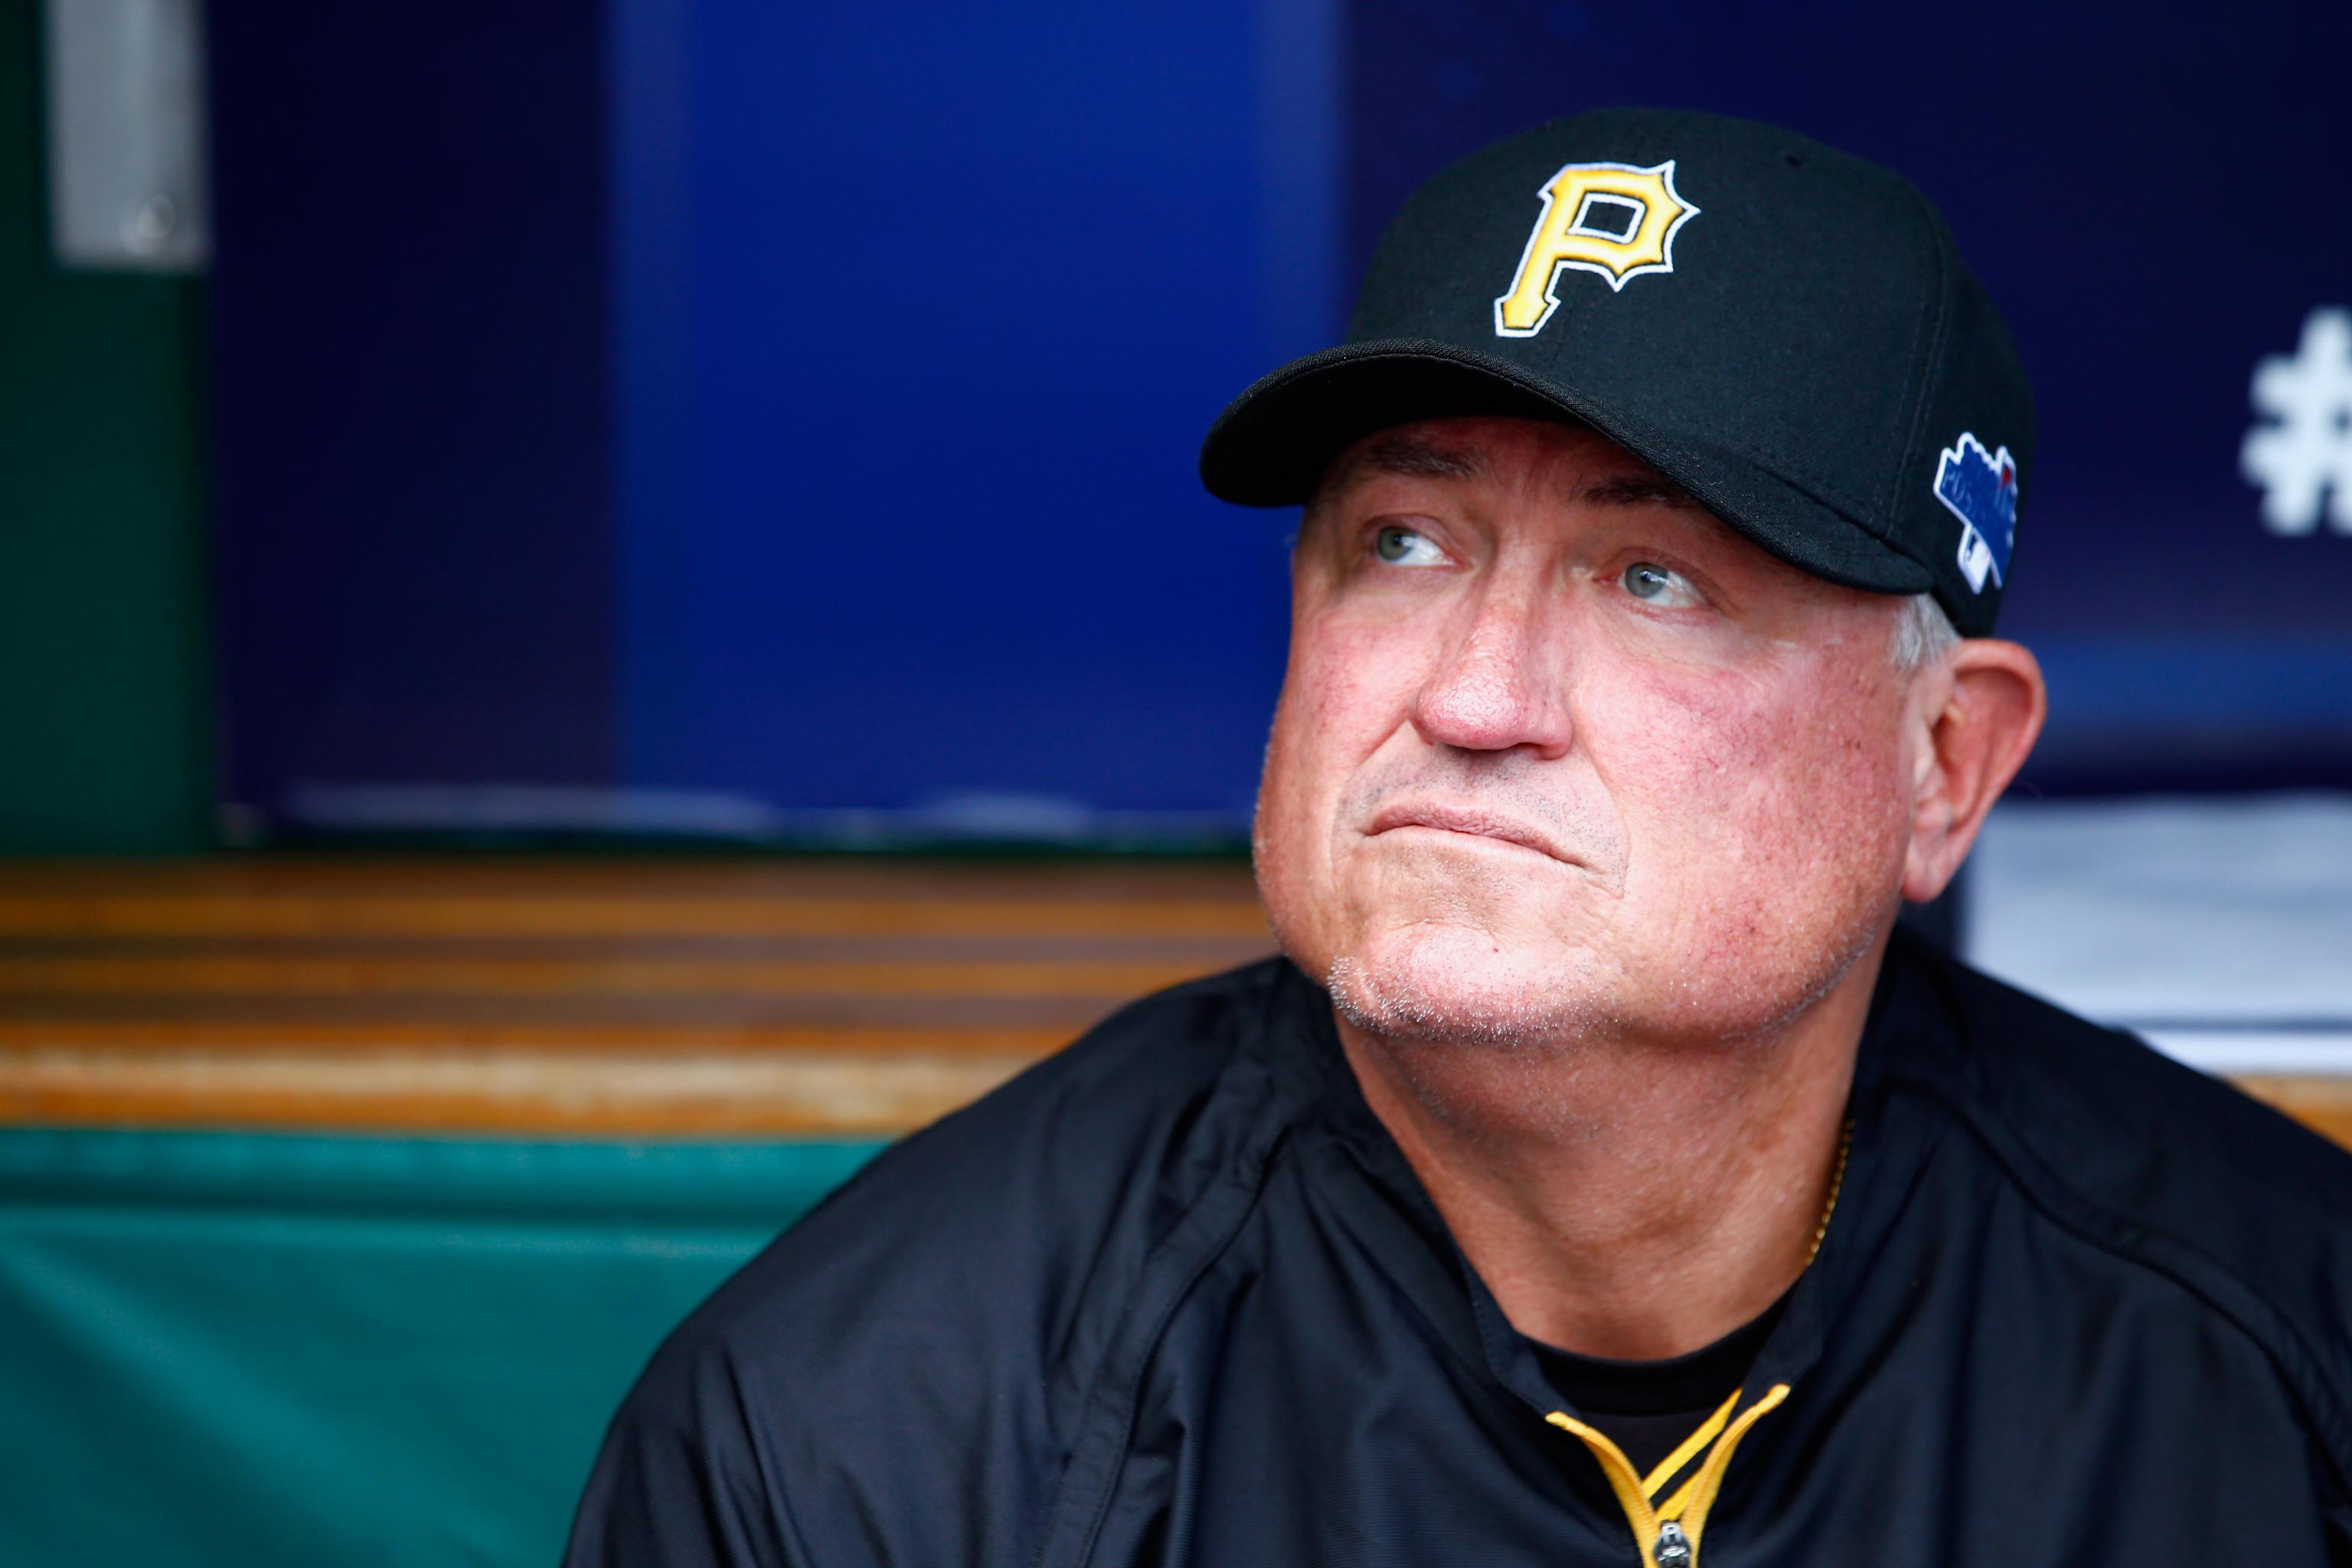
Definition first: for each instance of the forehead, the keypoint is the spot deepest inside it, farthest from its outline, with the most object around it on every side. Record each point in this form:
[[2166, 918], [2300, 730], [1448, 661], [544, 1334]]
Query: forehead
[[1571, 462]]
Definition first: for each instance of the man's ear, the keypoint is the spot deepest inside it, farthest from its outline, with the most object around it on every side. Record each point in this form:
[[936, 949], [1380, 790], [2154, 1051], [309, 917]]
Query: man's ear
[[1982, 708]]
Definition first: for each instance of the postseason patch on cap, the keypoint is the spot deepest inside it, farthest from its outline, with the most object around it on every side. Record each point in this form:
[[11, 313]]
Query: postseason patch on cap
[[1979, 487]]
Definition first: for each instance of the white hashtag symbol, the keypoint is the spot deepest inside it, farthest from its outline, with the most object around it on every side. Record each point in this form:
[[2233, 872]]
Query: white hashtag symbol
[[2307, 454]]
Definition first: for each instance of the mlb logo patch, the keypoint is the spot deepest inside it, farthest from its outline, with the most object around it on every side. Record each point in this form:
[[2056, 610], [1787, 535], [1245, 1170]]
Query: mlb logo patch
[[1979, 487]]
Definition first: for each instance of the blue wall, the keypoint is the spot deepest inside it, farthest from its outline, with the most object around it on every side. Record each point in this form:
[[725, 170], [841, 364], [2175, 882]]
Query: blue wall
[[780, 420], [951, 295]]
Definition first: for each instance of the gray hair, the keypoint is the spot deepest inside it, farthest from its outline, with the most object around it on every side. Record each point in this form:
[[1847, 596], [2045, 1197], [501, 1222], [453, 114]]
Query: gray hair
[[1922, 634]]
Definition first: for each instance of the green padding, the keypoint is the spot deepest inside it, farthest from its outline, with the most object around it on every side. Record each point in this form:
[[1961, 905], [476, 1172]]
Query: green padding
[[256, 1350]]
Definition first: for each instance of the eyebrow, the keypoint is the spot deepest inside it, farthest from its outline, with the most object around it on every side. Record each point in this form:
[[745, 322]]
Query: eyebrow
[[1404, 456], [1641, 489]]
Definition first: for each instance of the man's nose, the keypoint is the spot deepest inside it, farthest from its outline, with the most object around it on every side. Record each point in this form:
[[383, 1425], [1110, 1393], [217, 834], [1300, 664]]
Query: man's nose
[[1498, 686]]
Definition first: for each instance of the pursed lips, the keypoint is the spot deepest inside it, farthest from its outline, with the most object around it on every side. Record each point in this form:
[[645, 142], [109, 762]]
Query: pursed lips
[[1470, 821]]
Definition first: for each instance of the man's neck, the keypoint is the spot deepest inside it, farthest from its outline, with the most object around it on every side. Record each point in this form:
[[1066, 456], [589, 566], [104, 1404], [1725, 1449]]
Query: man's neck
[[1631, 1200]]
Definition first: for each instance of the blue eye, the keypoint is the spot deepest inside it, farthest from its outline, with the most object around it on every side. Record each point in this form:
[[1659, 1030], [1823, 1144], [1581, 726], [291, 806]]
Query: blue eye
[[1403, 547], [1656, 585]]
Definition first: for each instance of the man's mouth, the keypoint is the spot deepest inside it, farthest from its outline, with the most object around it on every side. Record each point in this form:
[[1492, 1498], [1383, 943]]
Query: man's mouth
[[1470, 821]]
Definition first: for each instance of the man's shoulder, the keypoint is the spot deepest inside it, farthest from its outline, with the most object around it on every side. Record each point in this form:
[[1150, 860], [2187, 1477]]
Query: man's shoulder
[[2165, 1167], [987, 1252], [896, 1375], [2129, 1125]]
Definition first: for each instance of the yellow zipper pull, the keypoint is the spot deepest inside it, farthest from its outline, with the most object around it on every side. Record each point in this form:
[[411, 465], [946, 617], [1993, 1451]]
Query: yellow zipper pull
[[1667, 1535]]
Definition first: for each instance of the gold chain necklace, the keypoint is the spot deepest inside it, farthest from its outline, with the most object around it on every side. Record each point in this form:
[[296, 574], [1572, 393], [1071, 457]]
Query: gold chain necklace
[[1837, 1180]]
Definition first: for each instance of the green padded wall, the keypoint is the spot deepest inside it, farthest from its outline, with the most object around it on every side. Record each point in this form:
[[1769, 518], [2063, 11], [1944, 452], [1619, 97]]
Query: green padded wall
[[233, 1351], [104, 724]]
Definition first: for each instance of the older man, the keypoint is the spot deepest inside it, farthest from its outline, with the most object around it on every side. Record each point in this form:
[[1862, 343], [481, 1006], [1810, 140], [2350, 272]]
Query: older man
[[1599, 1178]]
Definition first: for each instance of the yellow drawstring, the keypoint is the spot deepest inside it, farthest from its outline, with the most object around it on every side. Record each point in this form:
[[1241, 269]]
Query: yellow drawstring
[[1692, 1504], [1622, 1480], [1672, 1464], [1689, 1506]]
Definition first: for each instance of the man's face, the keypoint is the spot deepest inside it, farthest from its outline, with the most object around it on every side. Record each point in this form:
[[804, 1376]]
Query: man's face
[[1558, 752]]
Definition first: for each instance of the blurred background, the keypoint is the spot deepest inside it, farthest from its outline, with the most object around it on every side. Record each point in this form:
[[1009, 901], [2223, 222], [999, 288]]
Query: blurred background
[[603, 606]]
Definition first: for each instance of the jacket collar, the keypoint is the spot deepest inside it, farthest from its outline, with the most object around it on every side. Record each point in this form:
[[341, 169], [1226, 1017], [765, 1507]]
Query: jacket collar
[[1909, 1031]]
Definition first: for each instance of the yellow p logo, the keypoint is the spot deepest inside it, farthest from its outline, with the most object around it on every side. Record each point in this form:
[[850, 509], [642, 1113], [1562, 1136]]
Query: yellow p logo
[[1610, 218]]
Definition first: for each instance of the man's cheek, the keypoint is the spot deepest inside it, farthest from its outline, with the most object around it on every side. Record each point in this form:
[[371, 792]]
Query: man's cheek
[[1693, 748], [1741, 785], [1739, 726], [1349, 696]]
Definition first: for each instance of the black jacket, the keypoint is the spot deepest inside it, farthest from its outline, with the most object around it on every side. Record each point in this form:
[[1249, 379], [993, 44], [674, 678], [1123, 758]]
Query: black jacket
[[1174, 1297]]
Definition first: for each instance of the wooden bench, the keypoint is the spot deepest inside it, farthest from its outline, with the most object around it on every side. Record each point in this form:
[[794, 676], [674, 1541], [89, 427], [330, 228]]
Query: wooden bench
[[612, 998]]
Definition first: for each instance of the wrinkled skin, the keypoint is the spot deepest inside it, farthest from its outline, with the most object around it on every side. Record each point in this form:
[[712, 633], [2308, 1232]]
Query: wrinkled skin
[[1713, 783]]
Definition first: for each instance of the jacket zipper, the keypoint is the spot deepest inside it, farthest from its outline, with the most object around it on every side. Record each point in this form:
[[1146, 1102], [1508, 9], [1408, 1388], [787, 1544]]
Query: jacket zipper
[[1667, 1534]]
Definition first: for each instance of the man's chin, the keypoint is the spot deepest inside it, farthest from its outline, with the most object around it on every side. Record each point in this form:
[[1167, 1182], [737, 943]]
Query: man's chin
[[1463, 984]]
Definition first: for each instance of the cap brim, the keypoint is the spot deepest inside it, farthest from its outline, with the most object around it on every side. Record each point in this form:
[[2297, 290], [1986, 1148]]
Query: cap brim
[[1272, 444]]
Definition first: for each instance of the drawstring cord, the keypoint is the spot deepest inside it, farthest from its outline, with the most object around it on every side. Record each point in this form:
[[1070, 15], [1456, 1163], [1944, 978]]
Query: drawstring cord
[[1687, 1508]]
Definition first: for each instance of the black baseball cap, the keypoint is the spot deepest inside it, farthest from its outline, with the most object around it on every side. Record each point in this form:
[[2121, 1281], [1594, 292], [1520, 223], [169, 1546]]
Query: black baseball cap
[[1784, 329]]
